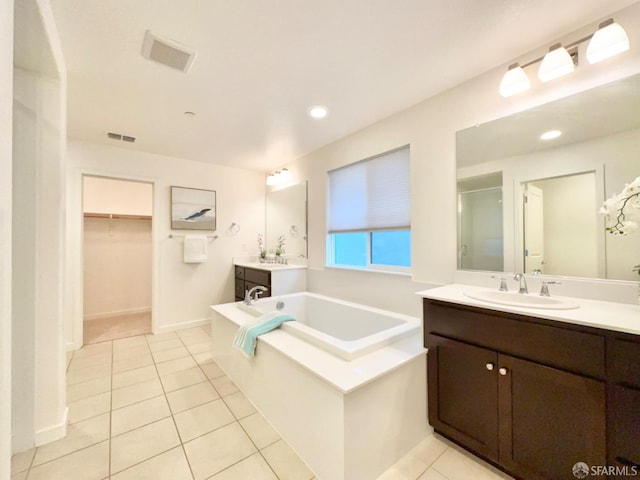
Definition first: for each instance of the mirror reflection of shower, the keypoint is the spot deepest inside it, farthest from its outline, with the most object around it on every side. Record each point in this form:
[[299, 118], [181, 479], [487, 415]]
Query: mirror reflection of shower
[[480, 223]]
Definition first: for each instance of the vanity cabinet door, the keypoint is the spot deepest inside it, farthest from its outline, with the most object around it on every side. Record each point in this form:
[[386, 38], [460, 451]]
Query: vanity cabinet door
[[623, 426], [463, 393], [549, 420]]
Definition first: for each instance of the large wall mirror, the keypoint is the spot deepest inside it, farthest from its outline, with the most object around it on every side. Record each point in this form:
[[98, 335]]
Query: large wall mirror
[[531, 204], [287, 219]]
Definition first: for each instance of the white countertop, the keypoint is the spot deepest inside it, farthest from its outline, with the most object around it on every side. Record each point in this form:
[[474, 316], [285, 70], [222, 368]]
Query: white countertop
[[346, 376], [269, 266], [621, 317]]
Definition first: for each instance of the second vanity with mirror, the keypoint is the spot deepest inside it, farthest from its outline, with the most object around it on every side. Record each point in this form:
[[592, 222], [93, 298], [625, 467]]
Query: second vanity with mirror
[[532, 390], [537, 384], [286, 220]]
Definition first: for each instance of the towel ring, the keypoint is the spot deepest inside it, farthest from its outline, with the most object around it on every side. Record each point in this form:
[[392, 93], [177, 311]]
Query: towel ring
[[234, 228]]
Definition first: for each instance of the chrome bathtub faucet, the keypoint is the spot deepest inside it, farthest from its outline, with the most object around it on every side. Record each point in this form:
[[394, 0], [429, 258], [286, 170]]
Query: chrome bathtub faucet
[[258, 289]]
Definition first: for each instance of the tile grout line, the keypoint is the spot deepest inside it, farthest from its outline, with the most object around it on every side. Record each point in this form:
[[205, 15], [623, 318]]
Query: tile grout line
[[431, 465], [35, 449], [258, 450], [237, 420], [110, 410], [142, 426], [173, 419]]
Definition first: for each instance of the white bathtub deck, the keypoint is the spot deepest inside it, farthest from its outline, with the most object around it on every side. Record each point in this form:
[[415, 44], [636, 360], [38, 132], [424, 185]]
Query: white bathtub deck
[[348, 420], [345, 376]]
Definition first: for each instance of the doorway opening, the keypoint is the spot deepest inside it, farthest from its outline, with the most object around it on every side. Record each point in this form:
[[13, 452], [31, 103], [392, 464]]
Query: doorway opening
[[117, 258]]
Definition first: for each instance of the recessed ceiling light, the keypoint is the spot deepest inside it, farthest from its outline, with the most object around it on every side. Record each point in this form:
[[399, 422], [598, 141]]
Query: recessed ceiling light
[[318, 111], [190, 114], [550, 135]]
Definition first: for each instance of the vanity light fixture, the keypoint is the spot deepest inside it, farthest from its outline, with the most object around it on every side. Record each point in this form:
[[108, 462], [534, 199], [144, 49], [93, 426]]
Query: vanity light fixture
[[271, 178], [550, 135], [284, 175], [610, 39], [279, 176], [557, 63], [514, 81]]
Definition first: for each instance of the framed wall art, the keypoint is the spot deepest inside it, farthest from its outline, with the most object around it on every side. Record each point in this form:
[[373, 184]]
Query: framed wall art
[[193, 209]]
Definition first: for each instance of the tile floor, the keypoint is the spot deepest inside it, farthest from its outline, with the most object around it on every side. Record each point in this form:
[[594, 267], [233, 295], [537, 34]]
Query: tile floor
[[158, 407]]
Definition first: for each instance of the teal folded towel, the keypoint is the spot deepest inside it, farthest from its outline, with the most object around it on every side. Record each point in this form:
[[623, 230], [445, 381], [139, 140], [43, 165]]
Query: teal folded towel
[[247, 335]]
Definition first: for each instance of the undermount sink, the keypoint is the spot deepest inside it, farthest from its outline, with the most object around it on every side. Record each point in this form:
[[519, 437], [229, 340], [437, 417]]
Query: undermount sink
[[525, 300]]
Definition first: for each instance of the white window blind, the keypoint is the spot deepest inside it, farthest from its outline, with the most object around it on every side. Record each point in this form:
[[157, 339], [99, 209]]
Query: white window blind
[[373, 194]]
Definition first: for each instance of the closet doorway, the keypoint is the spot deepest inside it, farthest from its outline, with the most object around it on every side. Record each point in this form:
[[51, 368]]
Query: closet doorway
[[117, 258]]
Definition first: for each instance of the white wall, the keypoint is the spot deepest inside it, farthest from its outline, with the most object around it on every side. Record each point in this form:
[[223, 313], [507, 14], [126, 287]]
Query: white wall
[[182, 292], [38, 364], [38, 354], [107, 195], [430, 129], [6, 119]]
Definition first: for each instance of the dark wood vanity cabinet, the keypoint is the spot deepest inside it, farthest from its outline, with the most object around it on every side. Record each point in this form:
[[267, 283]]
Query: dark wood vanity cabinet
[[623, 401], [246, 278], [528, 395]]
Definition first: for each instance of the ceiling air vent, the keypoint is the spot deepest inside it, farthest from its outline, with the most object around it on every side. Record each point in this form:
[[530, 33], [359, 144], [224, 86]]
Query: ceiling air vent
[[168, 52], [119, 136]]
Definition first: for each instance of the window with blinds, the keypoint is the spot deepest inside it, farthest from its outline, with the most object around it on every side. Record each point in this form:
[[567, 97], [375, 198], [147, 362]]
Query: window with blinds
[[369, 212]]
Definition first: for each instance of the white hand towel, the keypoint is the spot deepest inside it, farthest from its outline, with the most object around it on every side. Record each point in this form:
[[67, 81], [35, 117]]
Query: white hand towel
[[195, 248]]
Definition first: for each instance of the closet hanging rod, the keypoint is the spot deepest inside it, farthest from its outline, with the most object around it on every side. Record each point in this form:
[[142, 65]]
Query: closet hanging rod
[[176, 235], [118, 216]]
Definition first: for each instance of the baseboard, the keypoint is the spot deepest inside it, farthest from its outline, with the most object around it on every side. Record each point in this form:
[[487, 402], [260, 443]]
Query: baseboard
[[181, 326], [117, 313], [54, 432]]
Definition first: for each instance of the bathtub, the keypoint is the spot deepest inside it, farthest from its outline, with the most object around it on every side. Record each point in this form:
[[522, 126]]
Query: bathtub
[[345, 329], [344, 385]]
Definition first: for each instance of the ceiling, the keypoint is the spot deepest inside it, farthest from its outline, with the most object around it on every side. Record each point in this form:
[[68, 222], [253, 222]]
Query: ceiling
[[261, 63]]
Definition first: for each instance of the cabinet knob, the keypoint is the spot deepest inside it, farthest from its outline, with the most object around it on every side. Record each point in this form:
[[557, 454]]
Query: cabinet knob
[[489, 366], [502, 371]]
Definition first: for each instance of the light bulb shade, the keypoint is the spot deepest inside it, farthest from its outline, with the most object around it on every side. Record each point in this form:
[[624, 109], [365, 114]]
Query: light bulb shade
[[609, 40], [555, 64], [285, 175], [514, 81]]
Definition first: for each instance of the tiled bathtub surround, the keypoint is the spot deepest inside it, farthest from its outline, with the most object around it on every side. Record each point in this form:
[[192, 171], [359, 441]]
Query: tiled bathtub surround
[[157, 407]]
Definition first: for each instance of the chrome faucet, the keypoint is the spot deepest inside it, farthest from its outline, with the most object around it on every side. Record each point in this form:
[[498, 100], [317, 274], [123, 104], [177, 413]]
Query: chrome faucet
[[258, 289], [503, 283], [519, 277], [544, 291]]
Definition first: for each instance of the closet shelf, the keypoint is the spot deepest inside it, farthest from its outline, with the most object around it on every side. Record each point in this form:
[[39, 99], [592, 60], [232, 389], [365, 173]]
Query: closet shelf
[[118, 216]]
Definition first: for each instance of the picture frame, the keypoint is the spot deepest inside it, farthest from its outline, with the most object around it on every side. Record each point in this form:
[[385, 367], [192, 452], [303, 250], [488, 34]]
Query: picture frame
[[193, 209]]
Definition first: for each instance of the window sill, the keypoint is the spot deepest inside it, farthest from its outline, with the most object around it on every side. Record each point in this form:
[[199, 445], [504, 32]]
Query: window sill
[[401, 273]]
